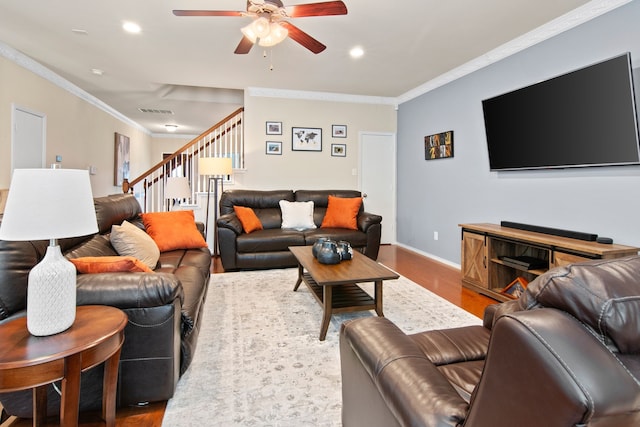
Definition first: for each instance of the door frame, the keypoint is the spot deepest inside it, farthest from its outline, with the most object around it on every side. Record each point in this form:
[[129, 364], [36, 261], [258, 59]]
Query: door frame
[[394, 189]]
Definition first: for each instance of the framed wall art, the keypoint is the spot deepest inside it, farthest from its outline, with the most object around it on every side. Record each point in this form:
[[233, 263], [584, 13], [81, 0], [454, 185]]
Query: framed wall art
[[274, 128], [306, 139], [121, 159], [339, 150], [438, 146], [274, 148], [339, 131]]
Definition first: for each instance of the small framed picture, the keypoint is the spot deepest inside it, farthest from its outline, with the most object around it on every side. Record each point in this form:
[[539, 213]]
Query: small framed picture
[[438, 146], [274, 128], [339, 150], [516, 288], [306, 139], [274, 148], [339, 131]]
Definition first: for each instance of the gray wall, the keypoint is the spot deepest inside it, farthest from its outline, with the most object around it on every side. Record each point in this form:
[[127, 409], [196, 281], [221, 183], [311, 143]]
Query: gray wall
[[437, 195]]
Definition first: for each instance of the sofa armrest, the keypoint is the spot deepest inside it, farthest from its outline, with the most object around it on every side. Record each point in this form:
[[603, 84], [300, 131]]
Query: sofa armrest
[[546, 359], [128, 290], [382, 363], [494, 311], [230, 222], [365, 220]]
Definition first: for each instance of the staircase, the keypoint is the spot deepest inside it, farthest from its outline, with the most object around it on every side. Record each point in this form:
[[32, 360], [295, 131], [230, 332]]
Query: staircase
[[224, 139]]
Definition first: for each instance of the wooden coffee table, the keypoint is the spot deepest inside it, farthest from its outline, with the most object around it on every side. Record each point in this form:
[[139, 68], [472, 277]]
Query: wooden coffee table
[[335, 286], [27, 361]]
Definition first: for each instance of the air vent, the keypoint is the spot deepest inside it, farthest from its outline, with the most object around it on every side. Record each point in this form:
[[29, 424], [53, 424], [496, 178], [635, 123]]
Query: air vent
[[155, 111]]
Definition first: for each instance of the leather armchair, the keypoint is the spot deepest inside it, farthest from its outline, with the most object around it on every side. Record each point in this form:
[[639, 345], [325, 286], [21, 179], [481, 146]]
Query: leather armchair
[[565, 354]]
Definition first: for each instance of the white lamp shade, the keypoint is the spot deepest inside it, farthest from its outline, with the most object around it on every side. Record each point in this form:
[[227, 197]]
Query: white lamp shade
[[177, 188], [277, 34], [215, 166], [48, 204]]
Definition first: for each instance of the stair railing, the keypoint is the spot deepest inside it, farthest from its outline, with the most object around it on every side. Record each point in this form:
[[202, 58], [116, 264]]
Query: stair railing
[[224, 139]]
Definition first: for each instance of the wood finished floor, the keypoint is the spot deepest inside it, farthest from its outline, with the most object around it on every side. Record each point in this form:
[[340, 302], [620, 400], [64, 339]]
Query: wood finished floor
[[439, 278]]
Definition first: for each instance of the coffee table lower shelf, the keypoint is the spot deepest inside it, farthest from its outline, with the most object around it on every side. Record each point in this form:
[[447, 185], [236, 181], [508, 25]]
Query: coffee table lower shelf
[[344, 298]]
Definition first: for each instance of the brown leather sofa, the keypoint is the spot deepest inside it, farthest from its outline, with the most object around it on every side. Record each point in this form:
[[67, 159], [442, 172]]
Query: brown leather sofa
[[268, 248], [164, 309], [567, 353]]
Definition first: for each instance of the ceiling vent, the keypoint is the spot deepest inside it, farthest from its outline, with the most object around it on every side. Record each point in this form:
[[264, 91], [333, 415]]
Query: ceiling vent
[[155, 111]]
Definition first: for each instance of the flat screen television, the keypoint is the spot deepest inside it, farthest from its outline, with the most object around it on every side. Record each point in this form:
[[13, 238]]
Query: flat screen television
[[583, 118]]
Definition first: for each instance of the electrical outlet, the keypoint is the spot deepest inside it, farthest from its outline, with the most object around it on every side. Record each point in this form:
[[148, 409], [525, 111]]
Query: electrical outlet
[[435, 235]]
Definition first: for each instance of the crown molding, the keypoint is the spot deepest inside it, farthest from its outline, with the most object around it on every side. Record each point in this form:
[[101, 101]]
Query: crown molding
[[38, 69], [572, 19], [319, 96]]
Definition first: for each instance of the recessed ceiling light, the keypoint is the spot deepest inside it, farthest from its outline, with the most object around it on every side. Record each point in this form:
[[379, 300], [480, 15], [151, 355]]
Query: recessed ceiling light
[[171, 128], [356, 52], [79, 32], [131, 27], [97, 71]]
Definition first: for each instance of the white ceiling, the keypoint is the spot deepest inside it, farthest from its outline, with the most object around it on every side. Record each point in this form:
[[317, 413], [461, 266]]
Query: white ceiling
[[187, 64]]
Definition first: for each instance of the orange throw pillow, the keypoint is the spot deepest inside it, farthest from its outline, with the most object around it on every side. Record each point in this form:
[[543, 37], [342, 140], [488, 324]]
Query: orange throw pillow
[[109, 264], [248, 218], [173, 230], [342, 212]]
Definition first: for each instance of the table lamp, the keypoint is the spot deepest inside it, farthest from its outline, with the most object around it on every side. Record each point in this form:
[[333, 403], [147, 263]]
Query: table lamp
[[49, 204], [215, 168], [177, 187]]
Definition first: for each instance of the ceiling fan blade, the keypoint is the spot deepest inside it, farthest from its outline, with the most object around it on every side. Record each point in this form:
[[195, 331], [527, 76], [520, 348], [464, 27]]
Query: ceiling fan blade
[[317, 9], [207, 13], [244, 46], [303, 38]]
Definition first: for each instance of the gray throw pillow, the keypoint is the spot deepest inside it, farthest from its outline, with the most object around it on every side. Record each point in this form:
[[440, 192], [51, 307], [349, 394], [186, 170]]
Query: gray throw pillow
[[129, 240]]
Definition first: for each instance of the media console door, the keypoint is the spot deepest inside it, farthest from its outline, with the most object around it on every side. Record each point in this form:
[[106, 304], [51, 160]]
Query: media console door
[[474, 259]]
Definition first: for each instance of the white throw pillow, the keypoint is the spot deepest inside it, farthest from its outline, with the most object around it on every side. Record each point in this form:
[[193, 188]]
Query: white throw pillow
[[129, 240], [297, 215]]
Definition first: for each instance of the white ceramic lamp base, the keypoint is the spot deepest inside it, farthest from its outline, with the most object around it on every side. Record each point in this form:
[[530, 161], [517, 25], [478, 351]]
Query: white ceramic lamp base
[[51, 294]]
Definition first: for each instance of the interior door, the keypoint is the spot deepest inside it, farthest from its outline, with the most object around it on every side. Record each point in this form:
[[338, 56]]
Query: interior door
[[377, 179], [27, 139]]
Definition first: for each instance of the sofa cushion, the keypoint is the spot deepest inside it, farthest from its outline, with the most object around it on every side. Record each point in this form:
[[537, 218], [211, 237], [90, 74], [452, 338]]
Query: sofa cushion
[[248, 218], [109, 264], [356, 238], [129, 240], [604, 294], [173, 230], [114, 209], [297, 215], [269, 240], [342, 213]]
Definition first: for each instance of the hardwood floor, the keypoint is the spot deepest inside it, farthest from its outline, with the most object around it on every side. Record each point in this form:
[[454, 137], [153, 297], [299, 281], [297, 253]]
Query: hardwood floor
[[439, 278]]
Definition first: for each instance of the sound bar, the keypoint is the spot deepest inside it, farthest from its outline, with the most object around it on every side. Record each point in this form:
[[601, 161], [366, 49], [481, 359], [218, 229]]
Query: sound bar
[[554, 231]]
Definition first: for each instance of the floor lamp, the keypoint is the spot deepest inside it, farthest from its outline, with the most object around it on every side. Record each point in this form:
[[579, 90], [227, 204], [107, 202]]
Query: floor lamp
[[215, 168]]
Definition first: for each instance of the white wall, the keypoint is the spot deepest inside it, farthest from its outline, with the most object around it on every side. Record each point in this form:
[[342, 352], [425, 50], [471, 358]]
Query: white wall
[[437, 195], [78, 131]]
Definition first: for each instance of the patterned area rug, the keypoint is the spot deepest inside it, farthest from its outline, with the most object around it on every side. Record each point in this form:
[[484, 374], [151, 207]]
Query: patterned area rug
[[259, 361]]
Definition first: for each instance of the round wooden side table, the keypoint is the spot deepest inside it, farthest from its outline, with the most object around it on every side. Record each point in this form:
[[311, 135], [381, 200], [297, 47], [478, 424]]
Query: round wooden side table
[[27, 361]]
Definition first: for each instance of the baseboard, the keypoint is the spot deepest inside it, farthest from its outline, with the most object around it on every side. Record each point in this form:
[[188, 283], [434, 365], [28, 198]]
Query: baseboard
[[431, 256]]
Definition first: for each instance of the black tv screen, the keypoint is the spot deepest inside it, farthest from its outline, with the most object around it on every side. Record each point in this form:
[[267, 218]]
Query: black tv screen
[[583, 118]]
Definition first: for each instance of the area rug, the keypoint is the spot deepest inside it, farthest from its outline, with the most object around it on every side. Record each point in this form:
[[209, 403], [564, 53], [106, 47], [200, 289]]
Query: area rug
[[259, 361]]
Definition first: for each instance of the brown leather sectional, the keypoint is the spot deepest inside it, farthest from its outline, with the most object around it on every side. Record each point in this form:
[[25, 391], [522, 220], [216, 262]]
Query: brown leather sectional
[[567, 353], [164, 309], [269, 248]]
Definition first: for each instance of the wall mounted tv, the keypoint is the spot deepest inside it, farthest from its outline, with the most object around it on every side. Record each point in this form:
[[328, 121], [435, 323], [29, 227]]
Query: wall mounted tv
[[583, 118]]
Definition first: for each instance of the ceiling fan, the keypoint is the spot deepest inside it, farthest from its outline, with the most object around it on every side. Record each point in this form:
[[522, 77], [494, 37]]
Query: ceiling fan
[[269, 26]]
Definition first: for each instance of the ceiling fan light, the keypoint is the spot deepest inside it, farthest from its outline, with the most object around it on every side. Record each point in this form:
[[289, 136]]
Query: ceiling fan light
[[249, 33], [277, 34], [261, 27]]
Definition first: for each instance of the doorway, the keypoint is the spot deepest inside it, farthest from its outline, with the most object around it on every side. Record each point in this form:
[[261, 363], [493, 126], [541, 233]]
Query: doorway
[[28, 140], [377, 179]]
